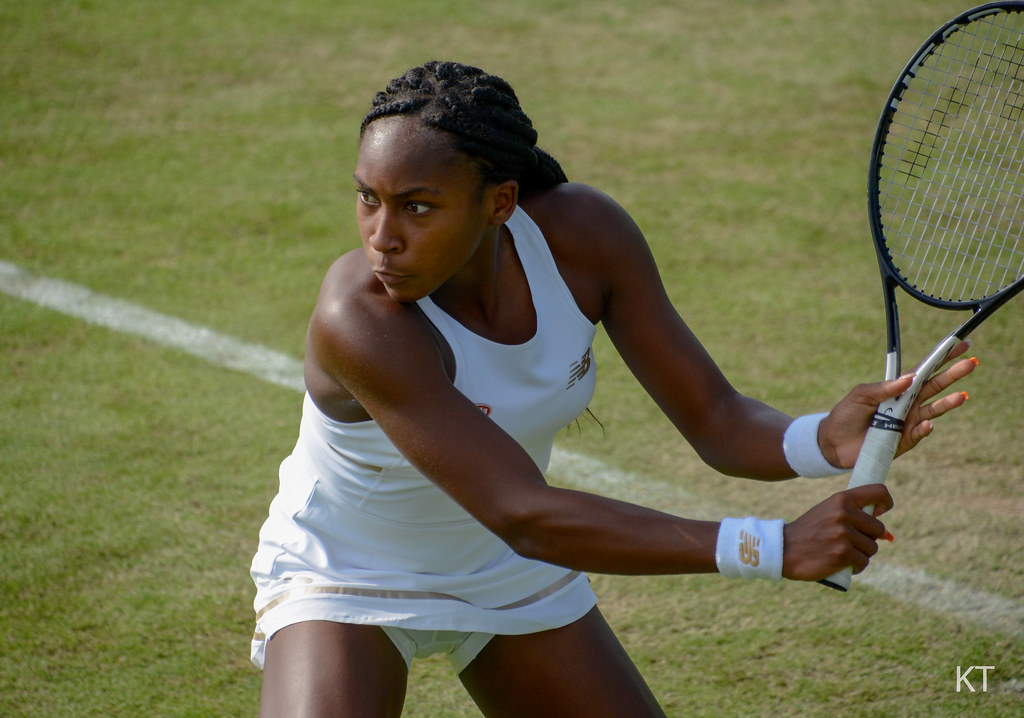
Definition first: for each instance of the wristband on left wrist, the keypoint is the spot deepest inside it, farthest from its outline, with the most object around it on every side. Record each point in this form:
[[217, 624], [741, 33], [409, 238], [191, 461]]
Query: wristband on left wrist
[[803, 453]]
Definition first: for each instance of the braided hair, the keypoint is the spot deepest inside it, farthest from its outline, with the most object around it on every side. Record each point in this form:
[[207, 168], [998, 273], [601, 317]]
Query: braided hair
[[481, 113]]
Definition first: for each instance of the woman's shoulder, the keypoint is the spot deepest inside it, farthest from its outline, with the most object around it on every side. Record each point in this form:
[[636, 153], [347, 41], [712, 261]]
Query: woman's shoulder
[[592, 238], [577, 217], [574, 206], [355, 323], [349, 291]]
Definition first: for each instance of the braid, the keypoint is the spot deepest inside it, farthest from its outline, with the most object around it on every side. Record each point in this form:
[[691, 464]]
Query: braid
[[483, 115]]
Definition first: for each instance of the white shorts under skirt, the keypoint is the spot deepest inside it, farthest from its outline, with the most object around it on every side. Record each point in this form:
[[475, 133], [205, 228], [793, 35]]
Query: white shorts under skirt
[[459, 647], [299, 598]]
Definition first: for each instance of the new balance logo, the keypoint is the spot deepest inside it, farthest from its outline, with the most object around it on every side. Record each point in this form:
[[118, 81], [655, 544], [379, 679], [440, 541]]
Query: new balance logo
[[749, 553], [579, 369]]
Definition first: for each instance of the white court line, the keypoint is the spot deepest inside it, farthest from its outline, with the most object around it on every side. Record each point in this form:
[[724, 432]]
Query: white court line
[[123, 316], [910, 585]]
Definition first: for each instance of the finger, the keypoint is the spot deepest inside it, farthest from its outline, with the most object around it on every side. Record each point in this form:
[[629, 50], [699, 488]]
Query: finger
[[943, 380], [947, 403], [864, 537], [859, 553], [866, 529], [919, 423], [880, 391], [876, 495], [861, 563], [913, 435], [865, 545], [875, 513]]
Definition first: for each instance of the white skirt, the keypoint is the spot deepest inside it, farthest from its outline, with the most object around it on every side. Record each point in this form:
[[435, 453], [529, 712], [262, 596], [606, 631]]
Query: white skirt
[[323, 555]]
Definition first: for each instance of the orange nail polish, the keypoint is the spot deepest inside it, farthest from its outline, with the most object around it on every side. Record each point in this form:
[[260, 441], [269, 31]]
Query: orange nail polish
[[965, 395], [974, 361], [889, 537]]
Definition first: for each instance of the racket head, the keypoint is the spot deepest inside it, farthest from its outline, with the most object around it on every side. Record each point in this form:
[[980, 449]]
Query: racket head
[[946, 177]]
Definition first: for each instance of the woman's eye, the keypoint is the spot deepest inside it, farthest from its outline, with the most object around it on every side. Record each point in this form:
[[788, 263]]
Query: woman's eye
[[366, 197], [417, 207]]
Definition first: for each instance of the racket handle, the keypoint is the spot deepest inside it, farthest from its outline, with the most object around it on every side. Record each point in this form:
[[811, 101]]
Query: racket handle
[[880, 444]]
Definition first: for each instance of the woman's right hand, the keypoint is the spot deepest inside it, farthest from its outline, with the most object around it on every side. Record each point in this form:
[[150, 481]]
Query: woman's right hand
[[836, 534]]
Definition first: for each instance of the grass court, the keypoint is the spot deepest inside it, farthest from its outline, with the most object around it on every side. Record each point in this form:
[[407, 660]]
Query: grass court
[[194, 158]]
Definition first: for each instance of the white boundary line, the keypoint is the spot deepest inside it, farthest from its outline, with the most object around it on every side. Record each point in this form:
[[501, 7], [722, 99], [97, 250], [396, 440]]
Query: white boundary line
[[910, 585], [123, 316]]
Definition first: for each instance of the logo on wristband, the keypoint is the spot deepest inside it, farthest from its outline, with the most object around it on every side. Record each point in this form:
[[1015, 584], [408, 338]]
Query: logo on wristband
[[749, 553]]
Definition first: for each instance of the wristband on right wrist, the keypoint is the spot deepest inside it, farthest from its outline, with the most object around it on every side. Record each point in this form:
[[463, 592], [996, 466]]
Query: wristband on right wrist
[[750, 548]]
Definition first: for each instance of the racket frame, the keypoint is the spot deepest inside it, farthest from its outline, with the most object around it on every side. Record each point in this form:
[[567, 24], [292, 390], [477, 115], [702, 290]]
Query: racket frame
[[882, 438]]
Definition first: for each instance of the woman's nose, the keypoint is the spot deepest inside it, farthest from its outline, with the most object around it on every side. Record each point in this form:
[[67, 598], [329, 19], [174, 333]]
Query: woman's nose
[[385, 237]]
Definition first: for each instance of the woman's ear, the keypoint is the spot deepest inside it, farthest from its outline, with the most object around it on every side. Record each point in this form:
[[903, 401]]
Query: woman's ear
[[503, 198]]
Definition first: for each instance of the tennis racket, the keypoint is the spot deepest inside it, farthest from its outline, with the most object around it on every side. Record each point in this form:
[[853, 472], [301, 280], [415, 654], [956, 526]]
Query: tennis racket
[[946, 198]]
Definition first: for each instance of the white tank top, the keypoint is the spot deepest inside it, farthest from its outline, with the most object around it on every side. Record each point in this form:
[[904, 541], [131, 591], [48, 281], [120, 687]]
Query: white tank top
[[531, 390], [359, 529]]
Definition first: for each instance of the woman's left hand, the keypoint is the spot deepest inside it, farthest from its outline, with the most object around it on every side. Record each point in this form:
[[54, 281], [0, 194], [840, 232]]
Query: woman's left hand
[[841, 434]]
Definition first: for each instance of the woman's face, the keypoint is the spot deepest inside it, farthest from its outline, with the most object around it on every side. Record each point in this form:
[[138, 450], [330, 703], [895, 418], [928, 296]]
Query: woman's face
[[422, 208]]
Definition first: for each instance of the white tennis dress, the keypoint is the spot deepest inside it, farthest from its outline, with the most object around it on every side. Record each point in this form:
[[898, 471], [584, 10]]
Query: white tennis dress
[[357, 535]]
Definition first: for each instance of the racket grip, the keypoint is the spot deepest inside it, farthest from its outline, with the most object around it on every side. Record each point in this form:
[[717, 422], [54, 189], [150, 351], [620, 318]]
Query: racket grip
[[873, 462]]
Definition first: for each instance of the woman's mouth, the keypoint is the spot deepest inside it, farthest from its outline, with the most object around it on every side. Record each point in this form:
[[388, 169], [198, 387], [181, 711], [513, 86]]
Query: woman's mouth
[[388, 278]]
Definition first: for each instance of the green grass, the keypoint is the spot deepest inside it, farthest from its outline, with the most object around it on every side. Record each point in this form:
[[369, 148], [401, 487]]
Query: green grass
[[193, 157]]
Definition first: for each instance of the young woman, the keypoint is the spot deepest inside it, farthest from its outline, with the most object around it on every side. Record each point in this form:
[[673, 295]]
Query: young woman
[[413, 516]]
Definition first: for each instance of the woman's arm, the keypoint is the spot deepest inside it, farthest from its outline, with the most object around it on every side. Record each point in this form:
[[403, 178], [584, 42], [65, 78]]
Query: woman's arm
[[383, 355], [606, 261], [365, 348], [609, 267]]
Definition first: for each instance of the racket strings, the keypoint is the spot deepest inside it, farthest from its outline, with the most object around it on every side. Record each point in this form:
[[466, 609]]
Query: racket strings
[[951, 174]]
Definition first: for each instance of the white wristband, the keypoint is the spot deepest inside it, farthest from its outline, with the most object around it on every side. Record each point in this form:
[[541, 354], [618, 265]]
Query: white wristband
[[750, 548], [800, 445]]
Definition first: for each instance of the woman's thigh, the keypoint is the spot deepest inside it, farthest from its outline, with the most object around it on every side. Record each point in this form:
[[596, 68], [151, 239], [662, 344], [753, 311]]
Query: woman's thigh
[[578, 670], [321, 668]]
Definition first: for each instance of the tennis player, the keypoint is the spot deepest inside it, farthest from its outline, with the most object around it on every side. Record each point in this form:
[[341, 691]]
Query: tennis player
[[413, 516]]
